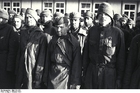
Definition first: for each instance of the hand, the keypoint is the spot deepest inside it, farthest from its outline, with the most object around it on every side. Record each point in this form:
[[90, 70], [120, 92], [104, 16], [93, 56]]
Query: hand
[[74, 86]]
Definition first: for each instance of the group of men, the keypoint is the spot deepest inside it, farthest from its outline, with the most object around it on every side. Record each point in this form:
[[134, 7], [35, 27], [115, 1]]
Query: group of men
[[57, 51]]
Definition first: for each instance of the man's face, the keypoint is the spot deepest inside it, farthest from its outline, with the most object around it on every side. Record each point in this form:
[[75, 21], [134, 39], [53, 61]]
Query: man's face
[[130, 26], [75, 23], [30, 21], [61, 29], [46, 18], [104, 19], [88, 21], [11, 16], [123, 22], [17, 23]]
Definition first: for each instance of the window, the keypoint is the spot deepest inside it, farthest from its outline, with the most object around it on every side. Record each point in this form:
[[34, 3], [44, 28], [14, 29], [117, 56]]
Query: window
[[60, 7], [84, 6], [16, 6], [48, 5], [7, 5], [95, 7], [130, 10]]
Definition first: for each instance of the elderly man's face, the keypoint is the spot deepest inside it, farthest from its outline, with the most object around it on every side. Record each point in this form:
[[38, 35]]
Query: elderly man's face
[[61, 30], [30, 21], [104, 19], [17, 23], [75, 22]]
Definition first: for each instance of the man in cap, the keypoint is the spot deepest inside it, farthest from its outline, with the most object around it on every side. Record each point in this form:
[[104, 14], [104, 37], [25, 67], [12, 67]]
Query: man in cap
[[67, 20], [104, 53], [127, 37], [76, 29], [18, 25], [33, 47], [7, 52], [130, 23], [116, 18], [57, 15], [63, 67], [11, 14], [38, 12], [123, 22], [17, 22], [88, 19], [47, 24], [22, 12]]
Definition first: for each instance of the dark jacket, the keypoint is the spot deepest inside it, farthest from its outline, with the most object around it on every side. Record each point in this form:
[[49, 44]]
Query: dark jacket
[[32, 53], [63, 66], [132, 76], [80, 35], [136, 31], [103, 58], [127, 40], [7, 56]]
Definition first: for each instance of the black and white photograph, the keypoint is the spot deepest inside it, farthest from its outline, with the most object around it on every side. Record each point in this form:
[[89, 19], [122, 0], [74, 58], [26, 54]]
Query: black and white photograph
[[69, 45]]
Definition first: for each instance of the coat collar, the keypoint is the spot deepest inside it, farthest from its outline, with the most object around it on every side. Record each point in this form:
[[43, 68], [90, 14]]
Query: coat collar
[[79, 31]]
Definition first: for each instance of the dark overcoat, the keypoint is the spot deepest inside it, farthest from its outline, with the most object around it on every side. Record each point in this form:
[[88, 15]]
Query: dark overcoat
[[132, 76], [33, 47], [7, 56], [104, 58], [63, 66], [80, 35]]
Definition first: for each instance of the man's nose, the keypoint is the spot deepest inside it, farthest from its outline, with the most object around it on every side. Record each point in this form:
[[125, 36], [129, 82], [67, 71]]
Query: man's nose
[[59, 29]]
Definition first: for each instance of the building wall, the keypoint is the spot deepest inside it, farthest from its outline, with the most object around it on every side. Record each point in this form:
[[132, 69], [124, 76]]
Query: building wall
[[26, 3], [117, 6], [72, 6], [36, 4], [57, 1]]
